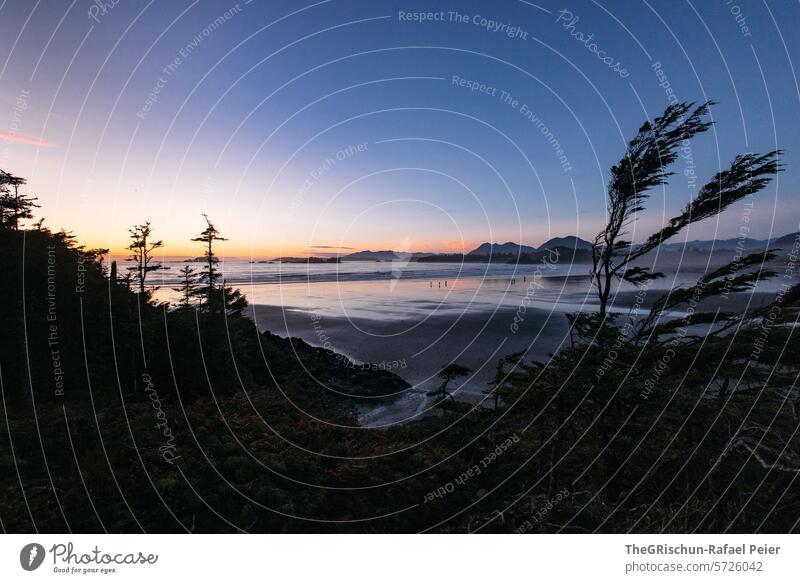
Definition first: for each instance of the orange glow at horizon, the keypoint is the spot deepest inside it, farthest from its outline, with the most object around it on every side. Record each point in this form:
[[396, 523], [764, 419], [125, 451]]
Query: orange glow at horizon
[[118, 249]]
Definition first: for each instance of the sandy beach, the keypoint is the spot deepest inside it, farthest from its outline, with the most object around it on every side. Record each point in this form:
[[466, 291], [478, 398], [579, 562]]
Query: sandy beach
[[417, 348]]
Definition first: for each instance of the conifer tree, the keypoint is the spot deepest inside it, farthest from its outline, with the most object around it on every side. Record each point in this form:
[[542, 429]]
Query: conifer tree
[[187, 288], [142, 249], [229, 300], [209, 275], [14, 206]]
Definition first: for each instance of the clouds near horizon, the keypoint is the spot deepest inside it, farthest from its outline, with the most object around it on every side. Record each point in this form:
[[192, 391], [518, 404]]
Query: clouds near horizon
[[16, 137]]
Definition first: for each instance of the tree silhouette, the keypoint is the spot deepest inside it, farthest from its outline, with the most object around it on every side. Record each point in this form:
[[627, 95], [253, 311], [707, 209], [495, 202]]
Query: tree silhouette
[[643, 167], [501, 384], [226, 299], [16, 206], [209, 275], [188, 287], [142, 254], [447, 374]]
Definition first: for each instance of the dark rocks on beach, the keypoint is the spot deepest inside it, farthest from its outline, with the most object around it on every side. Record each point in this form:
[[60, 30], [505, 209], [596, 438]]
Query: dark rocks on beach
[[328, 378]]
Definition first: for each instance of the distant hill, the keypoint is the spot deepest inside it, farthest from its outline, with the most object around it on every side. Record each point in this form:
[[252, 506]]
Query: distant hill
[[199, 259], [387, 255], [744, 244], [569, 242], [570, 248], [552, 255], [556, 254], [566, 254], [502, 249], [370, 256], [307, 260], [786, 242]]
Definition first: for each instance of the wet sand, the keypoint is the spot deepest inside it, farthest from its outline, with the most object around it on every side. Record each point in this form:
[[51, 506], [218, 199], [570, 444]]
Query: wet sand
[[418, 346], [416, 349]]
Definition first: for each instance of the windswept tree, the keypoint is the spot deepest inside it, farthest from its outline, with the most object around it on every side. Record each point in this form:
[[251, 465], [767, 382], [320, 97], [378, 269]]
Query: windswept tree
[[14, 206], [501, 384], [209, 275], [644, 166], [448, 374], [142, 249]]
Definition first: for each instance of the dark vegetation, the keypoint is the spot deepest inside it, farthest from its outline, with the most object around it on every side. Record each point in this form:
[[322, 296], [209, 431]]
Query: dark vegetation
[[126, 415]]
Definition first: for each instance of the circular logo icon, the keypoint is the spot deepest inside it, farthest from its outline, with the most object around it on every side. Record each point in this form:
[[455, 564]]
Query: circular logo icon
[[31, 556]]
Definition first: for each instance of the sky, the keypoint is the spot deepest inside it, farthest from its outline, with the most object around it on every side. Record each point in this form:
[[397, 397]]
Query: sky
[[324, 127]]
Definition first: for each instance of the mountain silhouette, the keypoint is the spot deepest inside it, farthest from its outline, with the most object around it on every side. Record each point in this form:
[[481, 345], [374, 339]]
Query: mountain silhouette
[[501, 249], [570, 242]]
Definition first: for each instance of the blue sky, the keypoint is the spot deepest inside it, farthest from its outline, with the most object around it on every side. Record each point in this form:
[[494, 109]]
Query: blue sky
[[345, 124]]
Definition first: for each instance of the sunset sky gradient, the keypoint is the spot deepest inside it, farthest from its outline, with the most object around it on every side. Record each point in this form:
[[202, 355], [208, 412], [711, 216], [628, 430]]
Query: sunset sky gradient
[[316, 127]]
